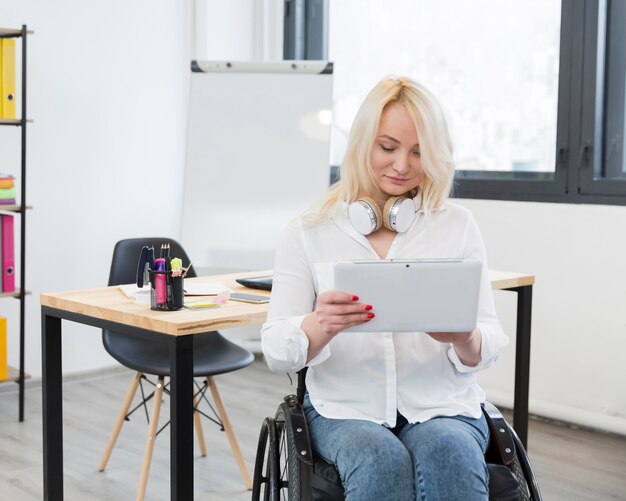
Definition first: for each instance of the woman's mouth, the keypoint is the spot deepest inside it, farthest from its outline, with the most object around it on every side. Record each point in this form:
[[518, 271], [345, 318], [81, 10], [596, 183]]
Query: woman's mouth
[[397, 180]]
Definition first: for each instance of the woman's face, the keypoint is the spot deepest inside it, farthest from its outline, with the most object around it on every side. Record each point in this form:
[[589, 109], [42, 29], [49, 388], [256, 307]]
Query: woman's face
[[396, 163]]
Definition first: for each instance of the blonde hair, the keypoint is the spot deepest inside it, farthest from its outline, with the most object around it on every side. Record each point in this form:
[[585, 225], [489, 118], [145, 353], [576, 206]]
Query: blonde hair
[[435, 147]]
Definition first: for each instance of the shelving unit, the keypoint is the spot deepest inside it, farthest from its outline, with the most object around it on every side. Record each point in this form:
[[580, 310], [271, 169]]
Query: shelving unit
[[18, 375]]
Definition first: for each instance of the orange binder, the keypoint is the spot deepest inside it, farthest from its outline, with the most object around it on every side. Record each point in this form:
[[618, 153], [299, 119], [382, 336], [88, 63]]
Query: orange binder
[[7, 75], [4, 367]]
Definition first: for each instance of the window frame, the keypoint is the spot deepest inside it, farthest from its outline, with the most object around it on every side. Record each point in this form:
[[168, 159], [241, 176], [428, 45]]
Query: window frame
[[592, 122]]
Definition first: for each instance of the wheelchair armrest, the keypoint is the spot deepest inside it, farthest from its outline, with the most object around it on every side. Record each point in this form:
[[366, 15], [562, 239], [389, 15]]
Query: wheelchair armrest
[[295, 413], [502, 446]]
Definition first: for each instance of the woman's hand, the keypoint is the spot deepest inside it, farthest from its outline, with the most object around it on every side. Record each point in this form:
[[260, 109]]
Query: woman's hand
[[466, 344], [336, 311]]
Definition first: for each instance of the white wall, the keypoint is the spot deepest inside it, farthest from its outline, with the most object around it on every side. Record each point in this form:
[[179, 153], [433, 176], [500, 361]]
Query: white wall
[[242, 30], [107, 90], [577, 370]]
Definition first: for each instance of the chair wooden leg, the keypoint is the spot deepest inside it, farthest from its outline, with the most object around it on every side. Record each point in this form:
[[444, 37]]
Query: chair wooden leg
[[152, 431], [130, 394], [229, 432], [198, 426]]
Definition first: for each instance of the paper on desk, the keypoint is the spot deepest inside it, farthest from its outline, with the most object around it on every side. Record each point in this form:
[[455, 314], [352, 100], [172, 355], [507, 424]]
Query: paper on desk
[[138, 295], [191, 289], [220, 299], [204, 289], [129, 290]]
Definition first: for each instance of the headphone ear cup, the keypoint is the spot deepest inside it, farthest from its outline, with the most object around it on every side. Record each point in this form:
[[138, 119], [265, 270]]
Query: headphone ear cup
[[387, 209], [399, 214], [365, 215]]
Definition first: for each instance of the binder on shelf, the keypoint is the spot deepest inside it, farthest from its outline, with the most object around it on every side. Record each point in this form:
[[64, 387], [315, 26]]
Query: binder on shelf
[[4, 365], [1, 86], [7, 76], [8, 253], [1, 280]]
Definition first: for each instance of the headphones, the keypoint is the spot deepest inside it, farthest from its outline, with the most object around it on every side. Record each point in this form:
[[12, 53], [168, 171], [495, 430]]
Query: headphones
[[397, 215]]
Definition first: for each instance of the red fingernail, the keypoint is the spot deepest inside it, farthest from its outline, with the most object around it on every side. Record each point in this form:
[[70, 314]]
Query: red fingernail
[[368, 307], [371, 315], [355, 298]]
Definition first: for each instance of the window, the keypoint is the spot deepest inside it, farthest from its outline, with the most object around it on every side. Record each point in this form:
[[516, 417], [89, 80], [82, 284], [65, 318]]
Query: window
[[614, 152], [603, 162], [534, 91], [492, 64]]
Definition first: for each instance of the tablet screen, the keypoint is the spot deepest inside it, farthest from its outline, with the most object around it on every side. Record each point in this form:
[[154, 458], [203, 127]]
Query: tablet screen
[[430, 295]]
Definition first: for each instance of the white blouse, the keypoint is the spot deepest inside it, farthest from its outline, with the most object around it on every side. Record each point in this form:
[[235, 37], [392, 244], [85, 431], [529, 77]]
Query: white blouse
[[373, 375]]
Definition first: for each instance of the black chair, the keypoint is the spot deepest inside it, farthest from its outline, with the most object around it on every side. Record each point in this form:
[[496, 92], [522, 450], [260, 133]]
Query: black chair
[[213, 355], [286, 467]]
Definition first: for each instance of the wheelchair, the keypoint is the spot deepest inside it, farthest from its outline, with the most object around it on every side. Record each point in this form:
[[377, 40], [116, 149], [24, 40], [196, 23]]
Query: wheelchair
[[286, 468]]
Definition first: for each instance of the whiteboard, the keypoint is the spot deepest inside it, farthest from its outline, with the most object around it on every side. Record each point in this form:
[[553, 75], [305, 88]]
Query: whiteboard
[[257, 156]]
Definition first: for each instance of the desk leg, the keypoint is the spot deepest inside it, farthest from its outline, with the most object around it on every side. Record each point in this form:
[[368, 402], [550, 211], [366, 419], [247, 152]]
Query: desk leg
[[181, 416], [522, 362], [52, 408]]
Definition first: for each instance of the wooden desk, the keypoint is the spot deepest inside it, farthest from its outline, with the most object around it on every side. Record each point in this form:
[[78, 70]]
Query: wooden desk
[[109, 308]]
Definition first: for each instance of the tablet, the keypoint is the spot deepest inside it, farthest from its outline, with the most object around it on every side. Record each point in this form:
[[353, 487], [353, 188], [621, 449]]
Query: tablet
[[428, 295]]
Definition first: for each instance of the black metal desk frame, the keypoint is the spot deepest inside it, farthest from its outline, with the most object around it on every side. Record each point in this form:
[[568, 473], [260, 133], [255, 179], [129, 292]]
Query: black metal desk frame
[[522, 361], [181, 398]]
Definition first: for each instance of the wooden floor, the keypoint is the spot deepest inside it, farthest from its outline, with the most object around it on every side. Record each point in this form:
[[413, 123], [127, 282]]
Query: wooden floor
[[570, 464]]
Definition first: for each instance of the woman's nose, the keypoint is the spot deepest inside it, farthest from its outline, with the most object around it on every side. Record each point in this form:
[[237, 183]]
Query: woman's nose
[[401, 165]]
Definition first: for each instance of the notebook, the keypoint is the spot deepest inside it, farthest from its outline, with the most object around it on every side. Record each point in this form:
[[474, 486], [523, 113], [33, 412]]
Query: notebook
[[430, 295]]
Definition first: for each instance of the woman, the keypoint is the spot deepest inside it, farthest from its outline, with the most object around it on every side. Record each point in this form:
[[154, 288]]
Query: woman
[[398, 414]]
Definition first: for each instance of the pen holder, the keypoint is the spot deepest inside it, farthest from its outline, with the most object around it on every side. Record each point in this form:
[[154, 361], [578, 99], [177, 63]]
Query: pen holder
[[166, 291]]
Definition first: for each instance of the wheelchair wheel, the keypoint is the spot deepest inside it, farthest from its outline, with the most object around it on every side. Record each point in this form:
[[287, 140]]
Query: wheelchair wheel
[[294, 474], [265, 484], [522, 492], [523, 471], [513, 480]]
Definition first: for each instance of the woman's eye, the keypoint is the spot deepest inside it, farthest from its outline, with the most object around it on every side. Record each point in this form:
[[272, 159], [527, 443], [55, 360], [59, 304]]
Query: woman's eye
[[386, 149], [417, 153]]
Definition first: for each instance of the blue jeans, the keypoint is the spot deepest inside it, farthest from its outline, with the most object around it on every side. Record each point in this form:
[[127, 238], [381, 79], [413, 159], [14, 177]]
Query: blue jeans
[[441, 459]]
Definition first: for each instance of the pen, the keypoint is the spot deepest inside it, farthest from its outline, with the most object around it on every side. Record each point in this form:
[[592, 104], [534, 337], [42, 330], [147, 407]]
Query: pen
[[168, 276], [160, 287]]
